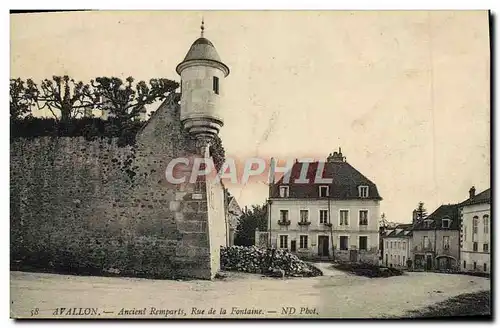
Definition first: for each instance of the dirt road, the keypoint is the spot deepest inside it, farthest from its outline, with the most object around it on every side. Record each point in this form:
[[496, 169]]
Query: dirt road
[[240, 296]]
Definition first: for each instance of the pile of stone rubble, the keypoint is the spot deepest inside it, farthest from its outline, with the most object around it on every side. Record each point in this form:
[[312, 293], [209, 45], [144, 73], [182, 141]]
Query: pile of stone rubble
[[265, 261]]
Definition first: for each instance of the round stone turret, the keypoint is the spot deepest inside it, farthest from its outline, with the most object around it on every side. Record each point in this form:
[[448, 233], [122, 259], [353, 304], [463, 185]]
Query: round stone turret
[[202, 73]]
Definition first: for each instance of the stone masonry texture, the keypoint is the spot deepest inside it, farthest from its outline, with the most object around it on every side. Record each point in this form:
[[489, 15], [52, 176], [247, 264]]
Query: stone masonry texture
[[93, 207]]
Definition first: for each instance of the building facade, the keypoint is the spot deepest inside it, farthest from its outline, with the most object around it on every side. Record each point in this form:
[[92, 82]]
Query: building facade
[[397, 246], [233, 215], [331, 219], [475, 241], [436, 240]]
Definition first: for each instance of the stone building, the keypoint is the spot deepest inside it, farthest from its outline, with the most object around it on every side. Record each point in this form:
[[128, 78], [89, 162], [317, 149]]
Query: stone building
[[436, 240], [475, 232], [397, 246], [337, 219], [93, 205], [234, 214]]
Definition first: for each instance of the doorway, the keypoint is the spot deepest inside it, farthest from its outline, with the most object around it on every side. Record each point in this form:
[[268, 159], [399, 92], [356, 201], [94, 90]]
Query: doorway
[[323, 246], [293, 246], [428, 263]]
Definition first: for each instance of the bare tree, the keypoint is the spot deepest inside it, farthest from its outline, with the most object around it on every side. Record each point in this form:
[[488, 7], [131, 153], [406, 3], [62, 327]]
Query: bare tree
[[64, 94], [124, 100]]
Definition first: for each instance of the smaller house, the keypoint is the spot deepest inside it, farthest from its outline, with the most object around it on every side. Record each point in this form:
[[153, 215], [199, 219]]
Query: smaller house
[[436, 240], [397, 245], [234, 214]]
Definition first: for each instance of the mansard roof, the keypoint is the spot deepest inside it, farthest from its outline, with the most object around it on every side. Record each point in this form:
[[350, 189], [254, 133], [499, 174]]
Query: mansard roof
[[345, 181], [435, 219]]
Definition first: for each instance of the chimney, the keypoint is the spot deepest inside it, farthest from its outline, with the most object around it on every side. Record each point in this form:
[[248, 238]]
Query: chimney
[[272, 171], [414, 217], [472, 192], [336, 156]]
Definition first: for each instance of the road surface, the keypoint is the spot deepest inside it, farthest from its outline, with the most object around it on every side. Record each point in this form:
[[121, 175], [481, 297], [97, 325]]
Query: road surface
[[334, 295]]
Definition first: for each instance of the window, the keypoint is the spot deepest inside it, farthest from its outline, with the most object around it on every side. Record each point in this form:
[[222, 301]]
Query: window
[[486, 223], [284, 191], [363, 217], [363, 243], [399, 245], [303, 241], [323, 191], [283, 241], [323, 216], [474, 246], [283, 215], [363, 191], [475, 221], [344, 217], [475, 265], [485, 267], [446, 242], [391, 244], [485, 247], [343, 243], [387, 245], [216, 85], [427, 224], [404, 262], [404, 246], [465, 233], [426, 242], [446, 223], [304, 215], [465, 265]]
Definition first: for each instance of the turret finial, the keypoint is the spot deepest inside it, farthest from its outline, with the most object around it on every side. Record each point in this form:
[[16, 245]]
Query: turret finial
[[202, 26]]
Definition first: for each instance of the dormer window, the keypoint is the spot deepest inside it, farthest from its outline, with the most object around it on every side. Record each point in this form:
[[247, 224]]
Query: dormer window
[[427, 224], [284, 191], [363, 191], [446, 223], [323, 191]]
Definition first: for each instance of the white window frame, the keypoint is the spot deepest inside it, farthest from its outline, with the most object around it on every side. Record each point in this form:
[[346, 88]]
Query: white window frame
[[446, 245], [424, 243], [361, 194], [359, 242], [319, 215], [359, 216], [308, 216], [447, 221], [475, 224], [327, 191], [340, 217], [279, 241], [286, 192], [486, 223], [288, 214], [300, 241]]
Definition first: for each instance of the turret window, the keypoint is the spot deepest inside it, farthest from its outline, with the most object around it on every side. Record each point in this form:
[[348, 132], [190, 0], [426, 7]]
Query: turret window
[[216, 85]]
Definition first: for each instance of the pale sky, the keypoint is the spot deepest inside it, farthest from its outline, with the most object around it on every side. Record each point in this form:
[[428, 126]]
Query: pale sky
[[405, 94]]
